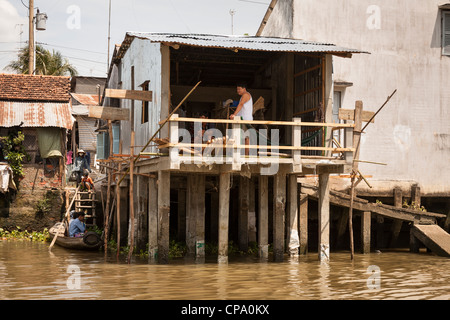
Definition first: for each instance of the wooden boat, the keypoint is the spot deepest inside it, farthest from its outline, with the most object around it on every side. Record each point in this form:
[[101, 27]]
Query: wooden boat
[[90, 240]]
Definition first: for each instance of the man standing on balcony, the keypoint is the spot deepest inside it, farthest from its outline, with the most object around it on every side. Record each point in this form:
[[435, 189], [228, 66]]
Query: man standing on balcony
[[244, 110]]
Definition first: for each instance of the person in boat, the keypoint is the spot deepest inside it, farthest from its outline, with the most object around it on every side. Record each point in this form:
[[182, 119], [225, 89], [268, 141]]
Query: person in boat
[[86, 182], [80, 164], [77, 226]]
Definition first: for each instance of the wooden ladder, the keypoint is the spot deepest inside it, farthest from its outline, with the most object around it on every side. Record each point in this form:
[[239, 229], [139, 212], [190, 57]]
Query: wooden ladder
[[85, 201]]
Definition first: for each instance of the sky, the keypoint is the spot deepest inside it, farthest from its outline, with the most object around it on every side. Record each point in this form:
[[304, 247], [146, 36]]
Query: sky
[[79, 28]]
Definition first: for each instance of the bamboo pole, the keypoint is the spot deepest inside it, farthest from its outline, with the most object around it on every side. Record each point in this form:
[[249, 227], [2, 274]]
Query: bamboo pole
[[160, 127], [118, 207]]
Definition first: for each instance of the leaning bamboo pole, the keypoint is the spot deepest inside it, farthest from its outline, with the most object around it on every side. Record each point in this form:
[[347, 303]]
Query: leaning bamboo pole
[[159, 129]]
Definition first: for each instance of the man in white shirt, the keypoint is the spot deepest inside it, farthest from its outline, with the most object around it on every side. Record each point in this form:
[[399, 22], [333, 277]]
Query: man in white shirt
[[244, 110]]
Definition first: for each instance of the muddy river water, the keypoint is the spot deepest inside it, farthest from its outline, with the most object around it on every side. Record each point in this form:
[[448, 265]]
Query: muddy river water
[[29, 271]]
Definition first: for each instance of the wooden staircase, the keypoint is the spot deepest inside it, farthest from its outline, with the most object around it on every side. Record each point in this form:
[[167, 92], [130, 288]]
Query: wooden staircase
[[86, 202]]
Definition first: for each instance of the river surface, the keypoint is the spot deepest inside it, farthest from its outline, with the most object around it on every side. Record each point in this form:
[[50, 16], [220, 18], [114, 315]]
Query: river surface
[[29, 271]]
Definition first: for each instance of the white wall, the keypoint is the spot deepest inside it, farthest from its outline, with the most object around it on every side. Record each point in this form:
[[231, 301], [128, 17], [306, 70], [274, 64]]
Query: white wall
[[146, 58], [412, 133]]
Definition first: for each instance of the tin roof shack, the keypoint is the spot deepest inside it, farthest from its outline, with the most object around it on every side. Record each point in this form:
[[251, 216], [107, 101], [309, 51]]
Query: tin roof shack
[[151, 75], [39, 107]]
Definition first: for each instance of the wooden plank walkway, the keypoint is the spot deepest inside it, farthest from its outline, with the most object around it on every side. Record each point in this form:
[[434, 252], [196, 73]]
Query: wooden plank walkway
[[343, 200], [433, 237]]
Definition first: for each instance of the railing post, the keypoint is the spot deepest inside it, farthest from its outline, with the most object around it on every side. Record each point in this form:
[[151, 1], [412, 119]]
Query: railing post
[[174, 151], [297, 142], [236, 165], [348, 143]]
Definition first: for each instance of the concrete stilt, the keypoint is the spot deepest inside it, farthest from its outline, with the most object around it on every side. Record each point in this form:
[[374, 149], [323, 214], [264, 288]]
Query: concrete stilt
[[152, 220], [243, 213], [263, 217], [163, 216], [293, 238], [397, 224], [279, 203], [198, 204], [224, 212], [303, 224], [365, 231], [190, 216], [324, 217], [181, 218]]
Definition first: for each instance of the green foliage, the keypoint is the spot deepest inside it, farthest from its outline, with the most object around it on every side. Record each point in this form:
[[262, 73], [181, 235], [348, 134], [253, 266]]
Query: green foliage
[[19, 234], [413, 206], [47, 63], [14, 152]]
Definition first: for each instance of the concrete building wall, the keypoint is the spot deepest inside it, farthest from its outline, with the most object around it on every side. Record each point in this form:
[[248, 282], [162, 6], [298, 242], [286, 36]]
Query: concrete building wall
[[412, 133]]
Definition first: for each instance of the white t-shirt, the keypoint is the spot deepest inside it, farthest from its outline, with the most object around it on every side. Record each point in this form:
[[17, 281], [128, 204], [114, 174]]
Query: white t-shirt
[[246, 111]]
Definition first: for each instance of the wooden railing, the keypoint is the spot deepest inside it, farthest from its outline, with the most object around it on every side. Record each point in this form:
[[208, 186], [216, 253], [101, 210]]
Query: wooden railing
[[228, 148]]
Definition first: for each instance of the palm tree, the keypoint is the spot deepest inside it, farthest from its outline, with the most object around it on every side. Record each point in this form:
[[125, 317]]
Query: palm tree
[[47, 63]]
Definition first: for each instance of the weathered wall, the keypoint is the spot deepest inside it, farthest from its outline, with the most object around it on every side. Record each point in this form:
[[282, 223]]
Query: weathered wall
[[280, 23], [412, 133], [34, 187], [146, 57]]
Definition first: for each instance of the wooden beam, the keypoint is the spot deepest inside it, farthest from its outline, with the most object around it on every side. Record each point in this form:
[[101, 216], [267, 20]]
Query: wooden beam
[[129, 94], [109, 113], [349, 114], [307, 70]]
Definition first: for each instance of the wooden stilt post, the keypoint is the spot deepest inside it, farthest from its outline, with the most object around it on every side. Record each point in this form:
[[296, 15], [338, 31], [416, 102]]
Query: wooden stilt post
[[380, 231], [190, 215], [279, 203], [181, 233], [397, 224], [163, 216], [152, 220], [224, 212], [131, 197], [303, 224], [263, 217], [251, 212], [324, 217], [294, 241], [447, 220], [142, 209], [366, 217], [415, 196], [356, 145], [118, 200], [342, 224], [243, 213]]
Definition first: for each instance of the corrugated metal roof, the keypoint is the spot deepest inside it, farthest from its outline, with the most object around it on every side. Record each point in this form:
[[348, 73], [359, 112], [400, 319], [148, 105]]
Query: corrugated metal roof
[[237, 42], [86, 99], [35, 114]]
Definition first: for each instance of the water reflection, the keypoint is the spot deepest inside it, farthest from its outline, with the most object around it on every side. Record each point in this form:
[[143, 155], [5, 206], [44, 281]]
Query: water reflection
[[30, 271]]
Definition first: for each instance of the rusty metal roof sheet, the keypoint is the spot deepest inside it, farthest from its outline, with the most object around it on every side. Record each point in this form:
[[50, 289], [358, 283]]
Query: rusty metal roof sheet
[[254, 43], [86, 99], [35, 114]]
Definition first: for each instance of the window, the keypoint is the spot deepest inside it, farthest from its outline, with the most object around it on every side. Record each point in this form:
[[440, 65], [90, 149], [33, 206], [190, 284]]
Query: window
[[446, 32], [145, 103]]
